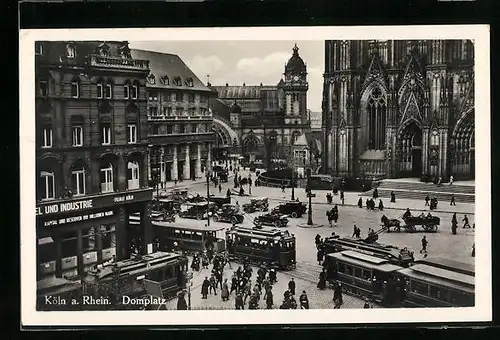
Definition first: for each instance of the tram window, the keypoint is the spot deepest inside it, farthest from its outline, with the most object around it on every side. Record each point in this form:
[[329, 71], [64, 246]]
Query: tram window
[[357, 272], [177, 231], [348, 270], [197, 236], [419, 288], [439, 293], [366, 275], [341, 267]]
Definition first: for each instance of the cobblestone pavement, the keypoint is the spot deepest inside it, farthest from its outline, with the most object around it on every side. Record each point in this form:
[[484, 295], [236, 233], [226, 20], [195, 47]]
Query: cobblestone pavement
[[442, 243]]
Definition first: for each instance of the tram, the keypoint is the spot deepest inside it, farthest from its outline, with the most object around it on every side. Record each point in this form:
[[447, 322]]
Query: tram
[[426, 283], [192, 238], [264, 245], [400, 257], [125, 278], [439, 283]]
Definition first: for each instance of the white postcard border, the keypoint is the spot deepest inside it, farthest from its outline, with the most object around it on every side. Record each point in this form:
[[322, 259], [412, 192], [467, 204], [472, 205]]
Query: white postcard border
[[481, 312]]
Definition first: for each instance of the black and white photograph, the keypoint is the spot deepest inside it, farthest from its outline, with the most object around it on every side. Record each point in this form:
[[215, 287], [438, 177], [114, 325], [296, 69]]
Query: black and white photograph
[[197, 172]]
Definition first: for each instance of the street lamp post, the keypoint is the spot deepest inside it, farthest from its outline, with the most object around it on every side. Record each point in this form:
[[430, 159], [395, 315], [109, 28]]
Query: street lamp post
[[293, 176], [207, 173], [249, 184], [309, 193]]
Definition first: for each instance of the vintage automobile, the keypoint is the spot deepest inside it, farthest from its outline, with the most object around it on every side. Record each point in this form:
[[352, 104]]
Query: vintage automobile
[[271, 219], [228, 213], [195, 198], [196, 210], [293, 209], [256, 204], [219, 201]]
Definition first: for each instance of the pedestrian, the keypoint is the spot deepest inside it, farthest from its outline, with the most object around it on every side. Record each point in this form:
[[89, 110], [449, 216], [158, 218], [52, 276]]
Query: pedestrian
[[238, 302], [253, 303], [473, 254], [380, 205], [204, 288], [175, 182], [269, 299], [451, 180], [322, 280], [234, 284], [453, 227], [375, 193], [317, 239], [466, 222], [342, 196], [393, 197], [355, 231], [452, 200], [181, 301], [282, 188], [291, 286], [220, 188], [304, 301], [366, 305], [360, 202], [224, 291], [440, 181], [427, 199], [424, 245], [213, 285], [337, 296]]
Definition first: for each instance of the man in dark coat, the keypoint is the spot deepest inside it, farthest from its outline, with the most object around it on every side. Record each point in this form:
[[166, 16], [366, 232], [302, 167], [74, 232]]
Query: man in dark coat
[[269, 299], [380, 205], [360, 202], [322, 280], [342, 197], [181, 302], [291, 286], [424, 245], [393, 197], [304, 301], [319, 256], [204, 288], [466, 222], [427, 199], [337, 296], [375, 193], [452, 200], [238, 302]]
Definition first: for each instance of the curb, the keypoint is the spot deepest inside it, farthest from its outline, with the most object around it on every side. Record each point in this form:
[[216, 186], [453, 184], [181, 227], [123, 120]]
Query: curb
[[305, 225], [385, 208]]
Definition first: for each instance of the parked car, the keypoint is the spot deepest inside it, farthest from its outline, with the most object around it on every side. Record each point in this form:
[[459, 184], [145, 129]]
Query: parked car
[[196, 210], [256, 204], [293, 209], [228, 213], [271, 219]]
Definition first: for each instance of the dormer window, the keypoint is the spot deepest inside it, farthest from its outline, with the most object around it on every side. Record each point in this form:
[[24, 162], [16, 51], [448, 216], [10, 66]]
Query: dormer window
[[152, 79], [70, 51], [189, 82], [38, 48], [125, 52], [178, 81], [165, 80]]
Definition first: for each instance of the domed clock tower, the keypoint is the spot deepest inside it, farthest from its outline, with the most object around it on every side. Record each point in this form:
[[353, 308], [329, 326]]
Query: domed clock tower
[[295, 88]]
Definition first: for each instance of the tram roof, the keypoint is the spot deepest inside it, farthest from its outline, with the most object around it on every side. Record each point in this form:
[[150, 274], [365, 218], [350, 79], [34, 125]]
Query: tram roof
[[262, 231], [452, 265], [190, 227], [413, 274], [363, 260], [443, 273]]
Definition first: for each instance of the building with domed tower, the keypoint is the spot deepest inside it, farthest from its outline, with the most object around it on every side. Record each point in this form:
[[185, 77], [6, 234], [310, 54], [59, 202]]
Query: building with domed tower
[[267, 119], [399, 108]]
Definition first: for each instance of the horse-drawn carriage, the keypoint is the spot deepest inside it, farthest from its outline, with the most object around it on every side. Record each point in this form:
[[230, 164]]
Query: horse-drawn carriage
[[428, 222]]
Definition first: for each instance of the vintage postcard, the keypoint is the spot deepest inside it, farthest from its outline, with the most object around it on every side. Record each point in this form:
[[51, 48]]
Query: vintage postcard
[[255, 175]]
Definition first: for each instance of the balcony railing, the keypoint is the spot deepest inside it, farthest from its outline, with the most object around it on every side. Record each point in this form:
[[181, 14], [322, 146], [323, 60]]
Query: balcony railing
[[182, 117], [115, 62]]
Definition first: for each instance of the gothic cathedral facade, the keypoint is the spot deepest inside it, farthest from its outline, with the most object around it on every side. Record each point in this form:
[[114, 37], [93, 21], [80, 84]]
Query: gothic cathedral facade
[[399, 108]]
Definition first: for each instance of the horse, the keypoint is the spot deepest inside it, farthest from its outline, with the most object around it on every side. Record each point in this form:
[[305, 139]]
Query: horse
[[388, 223]]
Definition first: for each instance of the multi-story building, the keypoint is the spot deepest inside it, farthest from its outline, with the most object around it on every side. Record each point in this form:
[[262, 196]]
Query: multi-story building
[[180, 123], [267, 119], [91, 149], [399, 108]]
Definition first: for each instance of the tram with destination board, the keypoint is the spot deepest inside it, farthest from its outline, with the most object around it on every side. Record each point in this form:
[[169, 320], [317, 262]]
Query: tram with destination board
[[426, 283], [263, 245], [191, 238], [125, 278], [401, 257]]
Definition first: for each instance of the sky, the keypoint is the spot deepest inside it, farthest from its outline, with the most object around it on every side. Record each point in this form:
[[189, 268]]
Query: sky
[[249, 62]]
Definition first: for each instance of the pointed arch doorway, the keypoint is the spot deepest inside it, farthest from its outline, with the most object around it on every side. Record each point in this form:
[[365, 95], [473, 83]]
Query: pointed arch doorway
[[411, 145]]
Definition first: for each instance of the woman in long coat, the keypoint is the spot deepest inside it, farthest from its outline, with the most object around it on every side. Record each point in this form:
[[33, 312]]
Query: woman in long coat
[[225, 291]]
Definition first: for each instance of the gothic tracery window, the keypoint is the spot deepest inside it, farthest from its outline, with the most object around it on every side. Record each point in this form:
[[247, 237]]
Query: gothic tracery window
[[376, 119]]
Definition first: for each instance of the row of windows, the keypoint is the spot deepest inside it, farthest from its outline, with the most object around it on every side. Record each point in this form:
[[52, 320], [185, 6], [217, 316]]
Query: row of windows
[[169, 112], [79, 176], [77, 135], [181, 128], [104, 90], [441, 293], [179, 97]]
